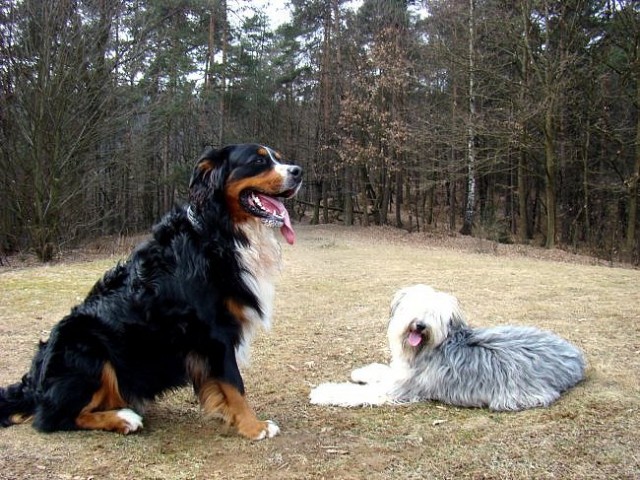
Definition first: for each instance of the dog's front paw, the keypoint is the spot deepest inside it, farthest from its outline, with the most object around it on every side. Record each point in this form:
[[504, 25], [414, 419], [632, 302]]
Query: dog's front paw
[[372, 373], [348, 395], [271, 431], [258, 430], [327, 394]]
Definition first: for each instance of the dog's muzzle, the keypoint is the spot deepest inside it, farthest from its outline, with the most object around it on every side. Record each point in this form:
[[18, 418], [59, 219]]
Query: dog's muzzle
[[418, 332]]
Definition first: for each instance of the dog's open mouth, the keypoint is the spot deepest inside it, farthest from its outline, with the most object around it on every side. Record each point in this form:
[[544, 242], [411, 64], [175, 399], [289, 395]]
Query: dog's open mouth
[[418, 333], [270, 210], [414, 338]]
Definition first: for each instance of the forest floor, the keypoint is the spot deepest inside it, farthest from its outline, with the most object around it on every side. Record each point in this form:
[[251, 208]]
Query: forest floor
[[330, 317]]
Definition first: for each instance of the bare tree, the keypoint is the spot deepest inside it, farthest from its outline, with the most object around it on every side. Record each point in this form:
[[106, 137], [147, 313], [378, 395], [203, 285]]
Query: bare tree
[[470, 205]]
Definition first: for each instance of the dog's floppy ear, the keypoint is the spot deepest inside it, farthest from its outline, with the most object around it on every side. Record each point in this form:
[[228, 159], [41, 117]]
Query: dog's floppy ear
[[208, 175], [395, 301], [457, 318]]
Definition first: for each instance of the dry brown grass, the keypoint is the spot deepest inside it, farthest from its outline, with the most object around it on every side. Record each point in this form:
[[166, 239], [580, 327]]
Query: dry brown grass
[[331, 316]]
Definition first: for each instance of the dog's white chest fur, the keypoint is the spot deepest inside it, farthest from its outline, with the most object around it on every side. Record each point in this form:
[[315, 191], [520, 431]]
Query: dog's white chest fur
[[261, 262]]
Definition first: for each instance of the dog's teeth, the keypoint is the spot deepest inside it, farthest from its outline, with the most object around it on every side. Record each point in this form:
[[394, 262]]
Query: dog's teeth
[[272, 222]]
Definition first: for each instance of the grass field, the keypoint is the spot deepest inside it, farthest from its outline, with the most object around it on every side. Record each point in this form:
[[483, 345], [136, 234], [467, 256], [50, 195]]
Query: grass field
[[331, 314]]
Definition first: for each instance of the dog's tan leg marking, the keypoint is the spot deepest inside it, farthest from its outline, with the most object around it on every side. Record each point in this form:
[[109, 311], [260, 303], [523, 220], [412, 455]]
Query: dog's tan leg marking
[[19, 418], [106, 410], [220, 398]]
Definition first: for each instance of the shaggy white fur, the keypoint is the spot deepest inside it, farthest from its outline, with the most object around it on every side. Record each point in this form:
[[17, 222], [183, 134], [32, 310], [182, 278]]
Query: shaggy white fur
[[435, 355]]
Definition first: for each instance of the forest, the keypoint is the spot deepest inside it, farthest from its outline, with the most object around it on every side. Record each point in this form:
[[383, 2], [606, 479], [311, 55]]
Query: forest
[[516, 121]]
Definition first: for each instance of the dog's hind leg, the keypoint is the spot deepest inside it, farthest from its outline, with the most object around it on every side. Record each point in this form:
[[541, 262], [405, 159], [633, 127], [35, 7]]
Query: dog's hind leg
[[76, 401], [107, 409], [123, 421]]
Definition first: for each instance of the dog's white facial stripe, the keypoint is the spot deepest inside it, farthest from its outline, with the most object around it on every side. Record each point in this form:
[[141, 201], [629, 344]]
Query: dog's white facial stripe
[[280, 168], [271, 154]]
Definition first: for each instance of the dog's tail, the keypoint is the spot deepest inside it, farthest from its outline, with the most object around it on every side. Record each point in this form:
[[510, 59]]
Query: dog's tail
[[17, 402]]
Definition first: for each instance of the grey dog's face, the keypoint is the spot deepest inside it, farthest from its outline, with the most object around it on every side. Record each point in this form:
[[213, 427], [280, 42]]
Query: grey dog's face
[[420, 318]]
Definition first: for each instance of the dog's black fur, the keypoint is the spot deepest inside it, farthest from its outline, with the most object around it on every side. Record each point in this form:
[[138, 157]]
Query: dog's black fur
[[175, 312]]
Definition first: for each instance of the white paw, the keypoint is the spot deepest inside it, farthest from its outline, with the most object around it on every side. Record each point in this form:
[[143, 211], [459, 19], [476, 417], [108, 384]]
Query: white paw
[[132, 419], [332, 394], [372, 373], [348, 395], [271, 431]]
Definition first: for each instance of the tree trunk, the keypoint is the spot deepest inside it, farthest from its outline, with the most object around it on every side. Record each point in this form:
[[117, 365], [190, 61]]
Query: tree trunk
[[523, 212], [316, 195], [363, 194], [399, 198], [632, 186], [385, 196], [211, 40], [325, 201], [467, 224], [549, 137], [585, 186], [524, 232], [223, 77], [550, 177], [348, 196]]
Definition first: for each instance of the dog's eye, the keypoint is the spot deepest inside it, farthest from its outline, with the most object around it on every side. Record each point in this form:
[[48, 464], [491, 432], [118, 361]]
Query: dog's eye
[[259, 160]]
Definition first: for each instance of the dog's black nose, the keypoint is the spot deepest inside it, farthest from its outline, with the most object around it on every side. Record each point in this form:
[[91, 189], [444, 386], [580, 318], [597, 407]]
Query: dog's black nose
[[420, 326], [295, 171]]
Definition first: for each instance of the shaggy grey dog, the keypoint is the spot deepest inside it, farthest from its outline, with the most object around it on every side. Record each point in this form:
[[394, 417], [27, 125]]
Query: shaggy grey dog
[[435, 355]]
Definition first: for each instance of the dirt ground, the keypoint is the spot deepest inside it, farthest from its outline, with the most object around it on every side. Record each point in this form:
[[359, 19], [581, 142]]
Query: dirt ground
[[331, 314]]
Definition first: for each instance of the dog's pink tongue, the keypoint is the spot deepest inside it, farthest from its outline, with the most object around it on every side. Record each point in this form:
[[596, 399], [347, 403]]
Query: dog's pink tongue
[[287, 230], [415, 339], [276, 206]]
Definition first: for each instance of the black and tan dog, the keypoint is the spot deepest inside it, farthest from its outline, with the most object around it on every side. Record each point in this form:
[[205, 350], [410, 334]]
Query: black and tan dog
[[182, 309]]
